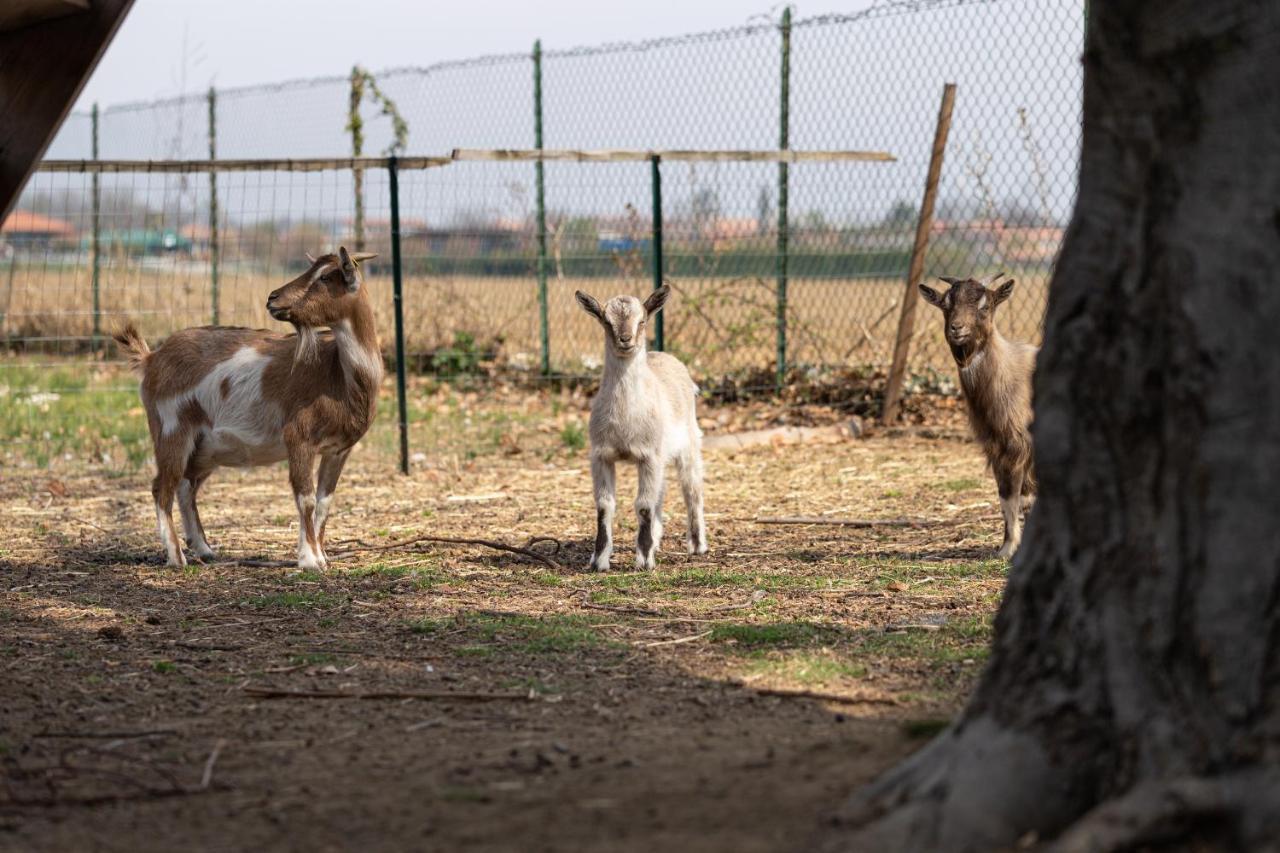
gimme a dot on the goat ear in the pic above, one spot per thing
(657, 299)
(589, 304)
(1003, 292)
(930, 295)
(349, 274)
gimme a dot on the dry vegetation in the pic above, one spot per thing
(719, 325)
(621, 711)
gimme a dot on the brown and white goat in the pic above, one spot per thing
(224, 396)
(645, 412)
(995, 376)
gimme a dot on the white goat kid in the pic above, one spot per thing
(646, 413)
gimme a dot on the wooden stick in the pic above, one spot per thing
(207, 777)
(314, 164)
(907, 319)
(449, 540)
(850, 522)
(108, 735)
(274, 693)
(676, 641)
(825, 697)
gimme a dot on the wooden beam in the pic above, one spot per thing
(630, 156)
(907, 319)
(43, 67)
(314, 164)
(15, 14)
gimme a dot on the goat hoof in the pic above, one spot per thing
(700, 548)
(204, 555)
(643, 563)
(598, 565)
(1007, 551)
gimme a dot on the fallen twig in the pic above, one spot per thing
(207, 777)
(676, 641)
(756, 597)
(825, 697)
(450, 540)
(109, 735)
(274, 693)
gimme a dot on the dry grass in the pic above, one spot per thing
(650, 723)
(719, 325)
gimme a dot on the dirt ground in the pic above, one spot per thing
(456, 697)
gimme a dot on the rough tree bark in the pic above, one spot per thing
(1133, 692)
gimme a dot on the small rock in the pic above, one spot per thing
(111, 632)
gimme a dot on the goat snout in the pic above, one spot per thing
(274, 309)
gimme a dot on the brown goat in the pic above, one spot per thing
(995, 376)
(222, 396)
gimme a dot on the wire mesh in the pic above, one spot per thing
(866, 81)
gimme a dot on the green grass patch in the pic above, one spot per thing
(964, 638)
(307, 600)
(163, 666)
(87, 412)
(312, 659)
(807, 668)
(493, 632)
(422, 577)
(573, 436)
(961, 484)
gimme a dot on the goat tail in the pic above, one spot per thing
(135, 348)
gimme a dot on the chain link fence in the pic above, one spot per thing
(83, 252)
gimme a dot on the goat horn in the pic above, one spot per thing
(951, 281)
(309, 257)
(989, 282)
(363, 256)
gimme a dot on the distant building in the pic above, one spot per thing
(27, 229)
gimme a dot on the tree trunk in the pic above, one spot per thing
(1133, 689)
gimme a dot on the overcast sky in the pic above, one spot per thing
(170, 47)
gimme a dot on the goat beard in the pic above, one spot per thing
(307, 345)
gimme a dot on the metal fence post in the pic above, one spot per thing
(213, 206)
(784, 142)
(907, 319)
(655, 172)
(96, 239)
(541, 204)
(397, 285)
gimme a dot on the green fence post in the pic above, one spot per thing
(784, 143)
(213, 206)
(96, 239)
(655, 171)
(397, 299)
(541, 209)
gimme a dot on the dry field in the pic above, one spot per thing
(456, 697)
(718, 325)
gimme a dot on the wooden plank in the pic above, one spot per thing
(629, 156)
(43, 67)
(907, 319)
(263, 165)
(23, 13)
